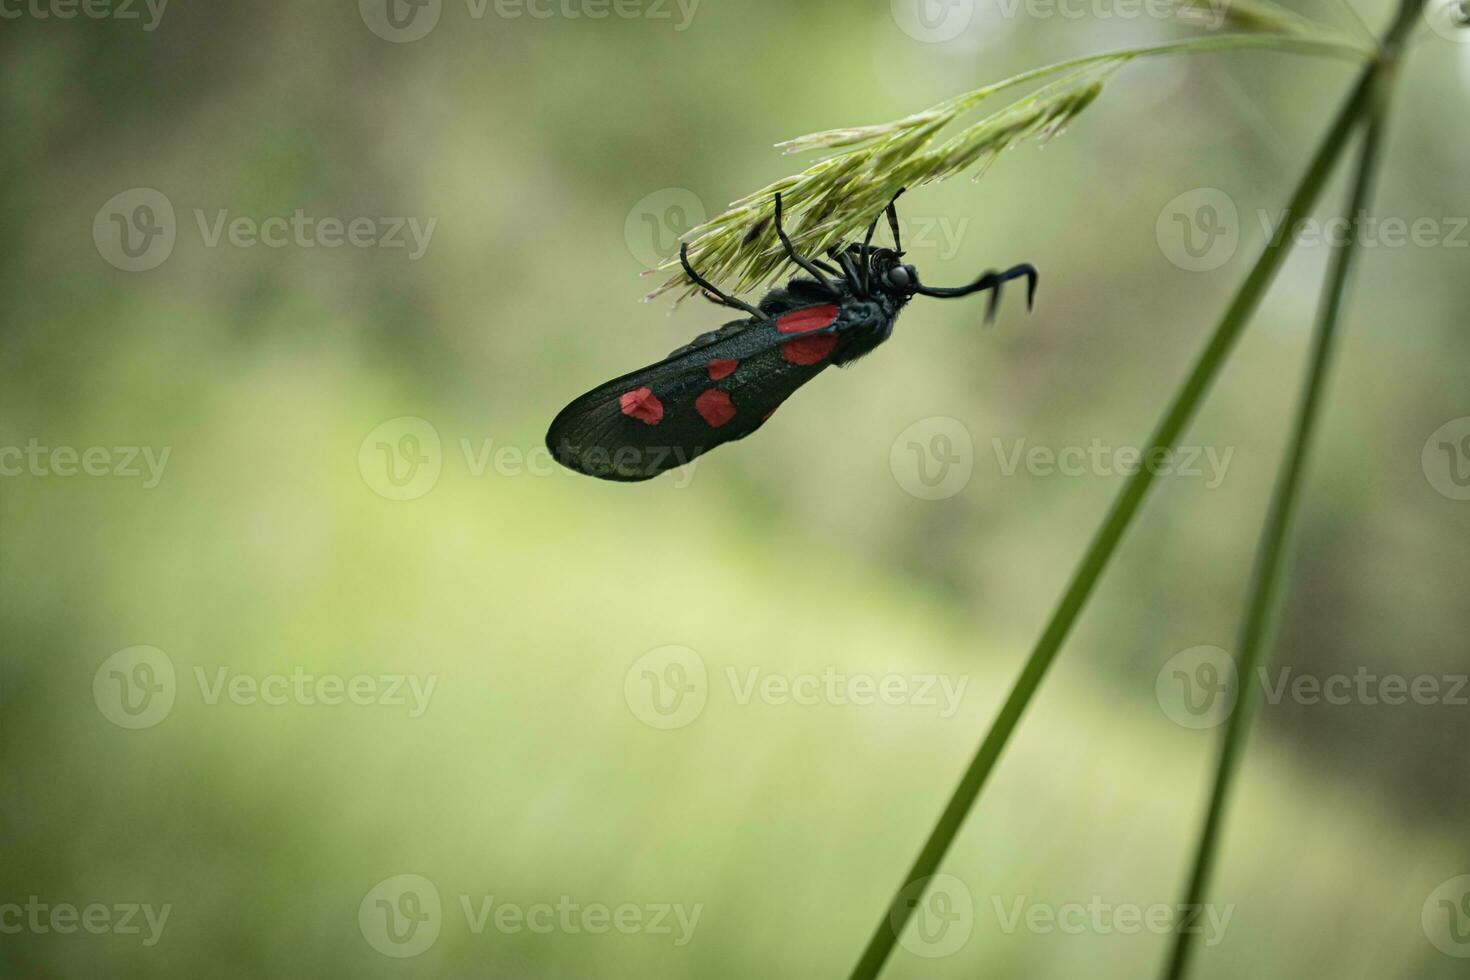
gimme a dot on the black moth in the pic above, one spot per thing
(724, 384)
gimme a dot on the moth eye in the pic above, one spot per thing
(898, 277)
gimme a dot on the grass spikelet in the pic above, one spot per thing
(833, 200)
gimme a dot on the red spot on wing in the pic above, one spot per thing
(811, 318)
(643, 405)
(722, 368)
(715, 407)
(808, 350)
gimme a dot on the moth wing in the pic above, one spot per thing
(701, 396)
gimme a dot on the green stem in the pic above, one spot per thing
(1264, 597)
(1325, 45)
(1119, 517)
(1266, 577)
(1291, 44)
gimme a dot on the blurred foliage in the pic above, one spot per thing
(264, 549)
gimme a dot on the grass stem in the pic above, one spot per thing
(1163, 440)
(1264, 599)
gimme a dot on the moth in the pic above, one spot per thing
(725, 384)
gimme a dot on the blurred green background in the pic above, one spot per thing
(557, 751)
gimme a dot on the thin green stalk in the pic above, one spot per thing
(1265, 588)
(1119, 517)
(1325, 46)
(1356, 17)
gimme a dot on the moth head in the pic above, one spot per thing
(901, 278)
(892, 275)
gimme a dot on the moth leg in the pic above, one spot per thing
(807, 264)
(757, 229)
(710, 292)
(867, 253)
(892, 213)
(849, 270)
